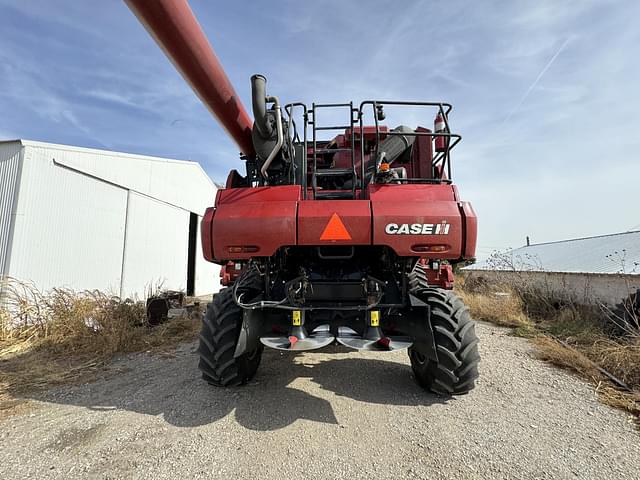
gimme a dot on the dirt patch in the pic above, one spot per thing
(76, 438)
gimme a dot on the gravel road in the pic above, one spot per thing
(337, 414)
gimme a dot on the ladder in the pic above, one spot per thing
(348, 174)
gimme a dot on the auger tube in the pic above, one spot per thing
(174, 27)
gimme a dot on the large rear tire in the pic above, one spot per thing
(218, 339)
(456, 370)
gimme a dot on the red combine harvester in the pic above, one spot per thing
(350, 239)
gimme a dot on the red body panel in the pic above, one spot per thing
(205, 234)
(421, 157)
(419, 193)
(471, 231)
(314, 216)
(285, 193)
(415, 220)
(398, 205)
(256, 220)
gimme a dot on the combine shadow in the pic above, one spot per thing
(173, 388)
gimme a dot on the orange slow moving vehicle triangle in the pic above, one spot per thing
(335, 230)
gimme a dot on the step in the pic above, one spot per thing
(337, 127)
(334, 195)
(320, 151)
(334, 172)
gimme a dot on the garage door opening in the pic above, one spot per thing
(191, 257)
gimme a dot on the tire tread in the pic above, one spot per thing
(456, 370)
(218, 338)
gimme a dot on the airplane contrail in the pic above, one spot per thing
(535, 82)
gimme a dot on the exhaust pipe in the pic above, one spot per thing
(280, 137)
(259, 102)
(266, 140)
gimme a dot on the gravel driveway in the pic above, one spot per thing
(337, 414)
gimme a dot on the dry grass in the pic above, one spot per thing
(620, 358)
(62, 335)
(498, 304)
(593, 339)
(584, 360)
(552, 351)
(502, 308)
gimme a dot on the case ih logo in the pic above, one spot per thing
(417, 228)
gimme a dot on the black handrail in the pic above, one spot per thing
(444, 109)
(444, 157)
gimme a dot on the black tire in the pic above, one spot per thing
(418, 279)
(456, 370)
(218, 338)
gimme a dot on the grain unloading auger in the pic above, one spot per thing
(349, 239)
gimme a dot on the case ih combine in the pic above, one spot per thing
(349, 239)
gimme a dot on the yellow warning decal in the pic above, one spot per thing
(375, 318)
(296, 318)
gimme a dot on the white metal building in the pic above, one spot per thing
(94, 219)
(605, 268)
(617, 253)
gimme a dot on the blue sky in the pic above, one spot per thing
(545, 93)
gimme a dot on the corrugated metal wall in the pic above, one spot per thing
(156, 247)
(10, 163)
(69, 228)
(77, 229)
(159, 178)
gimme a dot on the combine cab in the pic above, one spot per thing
(340, 232)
